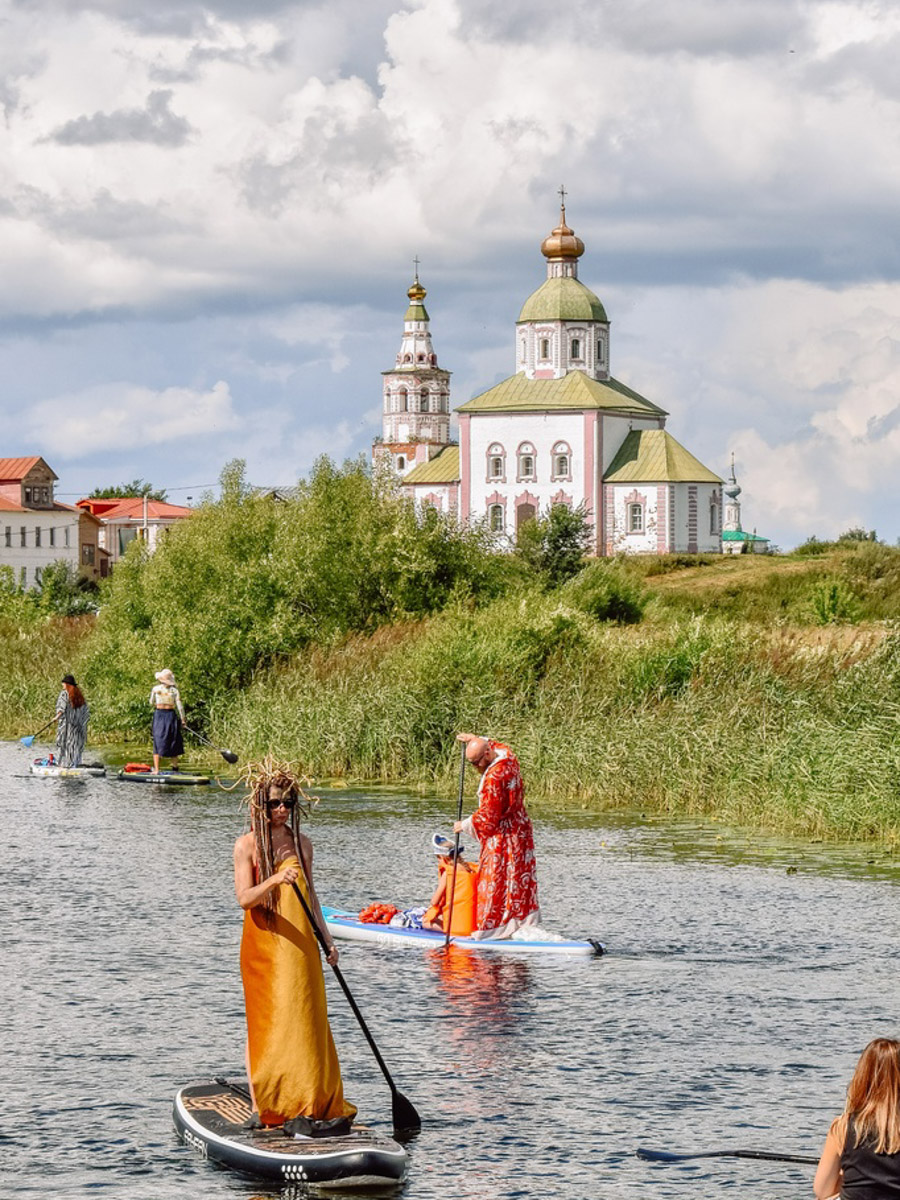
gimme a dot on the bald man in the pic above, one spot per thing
(507, 878)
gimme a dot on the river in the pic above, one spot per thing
(743, 977)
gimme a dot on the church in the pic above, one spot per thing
(561, 430)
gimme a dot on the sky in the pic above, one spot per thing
(209, 215)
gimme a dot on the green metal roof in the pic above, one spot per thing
(562, 299)
(416, 312)
(573, 391)
(443, 468)
(738, 535)
(653, 456)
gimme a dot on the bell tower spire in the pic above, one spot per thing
(416, 393)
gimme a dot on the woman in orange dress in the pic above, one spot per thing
(292, 1064)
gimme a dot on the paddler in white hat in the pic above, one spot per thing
(168, 720)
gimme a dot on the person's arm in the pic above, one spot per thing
(485, 821)
(306, 854)
(178, 704)
(828, 1173)
(248, 893)
(153, 697)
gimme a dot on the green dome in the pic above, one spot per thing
(562, 299)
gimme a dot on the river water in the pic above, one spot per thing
(742, 980)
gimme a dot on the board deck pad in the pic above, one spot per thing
(209, 1117)
(181, 778)
(53, 770)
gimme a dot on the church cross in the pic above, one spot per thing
(562, 195)
(416, 261)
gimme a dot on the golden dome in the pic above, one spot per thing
(416, 292)
(562, 242)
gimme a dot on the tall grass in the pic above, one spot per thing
(34, 656)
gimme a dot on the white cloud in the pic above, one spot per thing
(124, 416)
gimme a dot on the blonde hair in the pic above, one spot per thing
(260, 777)
(873, 1099)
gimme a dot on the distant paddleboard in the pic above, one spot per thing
(347, 925)
(43, 766)
(180, 778)
(209, 1118)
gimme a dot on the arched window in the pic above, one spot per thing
(599, 351)
(561, 461)
(545, 348)
(423, 402)
(420, 358)
(403, 400)
(495, 518)
(401, 463)
(522, 350)
(407, 358)
(525, 460)
(635, 518)
(576, 347)
(713, 515)
(496, 463)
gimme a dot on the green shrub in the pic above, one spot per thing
(832, 602)
(606, 592)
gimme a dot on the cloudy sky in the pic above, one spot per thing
(208, 216)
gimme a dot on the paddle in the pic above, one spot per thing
(228, 755)
(666, 1156)
(404, 1116)
(462, 782)
(29, 737)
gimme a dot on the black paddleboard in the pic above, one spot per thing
(173, 777)
(209, 1118)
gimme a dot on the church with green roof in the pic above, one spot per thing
(561, 430)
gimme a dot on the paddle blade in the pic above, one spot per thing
(404, 1116)
(229, 756)
(28, 740)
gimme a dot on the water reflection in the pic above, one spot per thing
(489, 985)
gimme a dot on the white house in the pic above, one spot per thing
(562, 430)
(123, 520)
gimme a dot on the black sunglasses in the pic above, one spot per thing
(273, 804)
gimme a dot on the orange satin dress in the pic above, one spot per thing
(293, 1062)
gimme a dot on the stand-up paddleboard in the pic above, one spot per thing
(44, 767)
(209, 1117)
(172, 777)
(347, 925)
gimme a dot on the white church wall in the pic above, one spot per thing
(521, 435)
(635, 518)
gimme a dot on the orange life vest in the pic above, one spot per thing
(465, 895)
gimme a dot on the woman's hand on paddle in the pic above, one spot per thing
(288, 875)
(332, 956)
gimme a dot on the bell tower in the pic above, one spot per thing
(415, 419)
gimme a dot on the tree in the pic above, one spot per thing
(555, 545)
(63, 591)
(858, 535)
(128, 491)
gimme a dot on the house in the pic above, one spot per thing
(561, 430)
(122, 521)
(36, 530)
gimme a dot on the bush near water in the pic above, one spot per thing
(342, 629)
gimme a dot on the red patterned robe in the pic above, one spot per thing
(507, 877)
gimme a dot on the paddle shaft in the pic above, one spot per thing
(228, 755)
(32, 736)
(459, 804)
(405, 1116)
(769, 1156)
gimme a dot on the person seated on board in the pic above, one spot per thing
(72, 716)
(465, 883)
(292, 1064)
(861, 1157)
(168, 741)
(507, 873)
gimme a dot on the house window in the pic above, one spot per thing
(37, 535)
(28, 495)
(45, 495)
(496, 462)
(66, 539)
(52, 536)
(635, 518)
(37, 574)
(401, 463)
(423, 402)
(87, 554)
(561, 459)
(526, 460)
(495, 518)
(9, 536)
(576, 347)
(545, 347)
(22, 539)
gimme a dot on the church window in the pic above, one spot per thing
(526, 460)
(635, 518)
(407, 358)
(545, 347)
(420, 358)
(522, 351)
(713, 515)
(496, 462)
(600, 352)
(423, 402)
(576, 347)
(495, 518)
(403, 400)
(561, 459)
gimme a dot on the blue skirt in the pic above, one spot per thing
(167, 739)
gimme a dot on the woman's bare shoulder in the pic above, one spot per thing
(245, 844)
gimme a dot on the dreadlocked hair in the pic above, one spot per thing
(259, 777)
